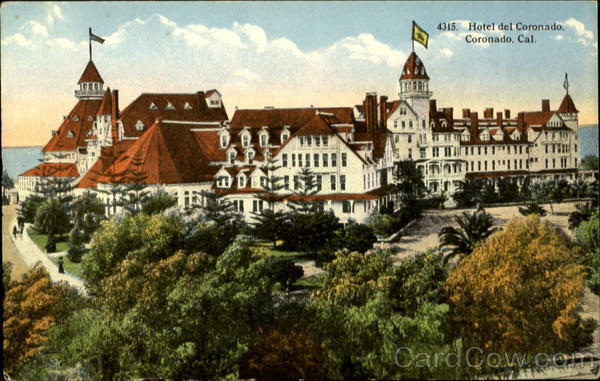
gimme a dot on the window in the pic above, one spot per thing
(410, 124)
(286, 182)
(70, 134)
(325, 141)
(284, 160)
(245, 140)
(301, 141)
(231, 157)
(263, 181)
(317, 141)
(342, 182)
(242, 181)
(485, 150)
(153, 106)
(325, 163)
(250, 157)
(332, 182)
(344, 159)
(308, 141)
(223, 141)
(316, 160)
(395, 123)
(296, 182)
(334, 160)
(410, 153)
(403, 124)
(214, 103)
(284, 137)
(263, 140)
(257, 206)
(346, 207)
(319, 183)
(187, 106)
(299, 160)
(308, 160)
(422, 153)
(293, 160)
(169, 106)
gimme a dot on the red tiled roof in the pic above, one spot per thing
(106, 105)
(53, 170)
(414, 68)
(78, 123)
(90, 74)
(278, 117)
(140, 110)
(567, 105)
(317, 125)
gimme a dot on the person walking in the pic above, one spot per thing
(61, 268)
(15, 231)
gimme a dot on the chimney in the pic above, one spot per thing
(370, 105)
(521, 121)
(499, 119)
(545, 105)
(449, 112)
(115, 105)
(201, 101)
(474, 123)
(506, 114)
(432, 107)
(488, 113)
(382, 112)
(466, 113)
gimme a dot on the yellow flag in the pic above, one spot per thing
(420, 35)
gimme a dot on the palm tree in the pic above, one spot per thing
(469, 192)
(52, 218)
(158, 203)
(583, 213)
(533, 208)
(579, 187)
(473, 229)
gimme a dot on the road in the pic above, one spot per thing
(9, 252)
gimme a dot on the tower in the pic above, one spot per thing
(414, 86)
(90, 84)
(568, 113)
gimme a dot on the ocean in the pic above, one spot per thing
(17, 160)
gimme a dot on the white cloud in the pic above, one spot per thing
(34, 27)
(366, 47)
(17, 39)
(558, 37)
(447, 52)
(246, 74)
(579, 28)
(61, 42)
(53, 12)
(255, 35)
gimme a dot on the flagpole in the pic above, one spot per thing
(412, 36)
(90, 42)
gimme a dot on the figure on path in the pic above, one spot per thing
(61, 269)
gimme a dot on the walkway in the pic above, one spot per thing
(31, 254)
(9, 251)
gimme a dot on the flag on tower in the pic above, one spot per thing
(93, 37)
(419, 35)
(566, 83)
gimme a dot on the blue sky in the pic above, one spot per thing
(287, 54)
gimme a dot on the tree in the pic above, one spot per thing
(7, 182)
(589, 162)
(469, 192)
(304, 188)
(307, 232)
(6, 273)
(473, 229)
(286, 350)
(354, 237)
(582, 212)
(532, 208)
(489, 195)
(134, 186)
(158, 202)
(271, 225)
(558, 191)
(410, 187)
(76, 243)
(31, 306)
(28, 208)
(52, 218)
(579, 187)
(88, 211)
(360, 321)
(284, 271)
(520, 292)
(508, 190)
(588, 236)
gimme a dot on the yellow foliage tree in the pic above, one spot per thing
(31, 306)
(521, 291)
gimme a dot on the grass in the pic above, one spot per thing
(311, 282)
(275, 252)
(70, 267)
(40, 240)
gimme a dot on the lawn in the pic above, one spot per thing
(278, 253)
(311, 282)
(70, 267)
(40, 240)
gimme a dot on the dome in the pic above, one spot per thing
(414, 68)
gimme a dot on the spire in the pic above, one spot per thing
(414, 68)
(567, 106)
(90, 74)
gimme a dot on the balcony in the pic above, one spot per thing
(89, 93)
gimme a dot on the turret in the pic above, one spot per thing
(414, 85)
(90, 84)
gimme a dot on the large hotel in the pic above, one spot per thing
(186, 144)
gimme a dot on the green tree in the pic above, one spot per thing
(532, 208)
(558, 191)
(588, 236)
(7, 182)
(304, 188)
(134, 186)
(508, 190)
(307, 232)
(284, 271)
(589, 162)
(28, 208)
(410, 187)
(503, 299)
(579, 187)
(582, 212)
(354, 237)
(489, 195)
(271, 225)
(52, 218)
(473, 228)
(469, 192)
(158, 202)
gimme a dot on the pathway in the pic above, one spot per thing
(9, 251)
(31, 254)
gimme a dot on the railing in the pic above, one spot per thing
(89, 93)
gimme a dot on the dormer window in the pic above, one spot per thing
(241, 181)
(153, 106)
(223, 141)
(90, 118)
(223, 182)
(231, 157)
(245, 139)
(76, 118)
(70, 134)
(169, 106)
(187, 106)
(139, 125)
(444, 124)
(250, 157)
(285, 134)
(264, 139)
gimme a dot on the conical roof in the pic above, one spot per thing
(414, 68)
(90, 74)
(567, 105)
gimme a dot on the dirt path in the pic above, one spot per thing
(9, 252)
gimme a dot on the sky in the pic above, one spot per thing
(289, 54)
